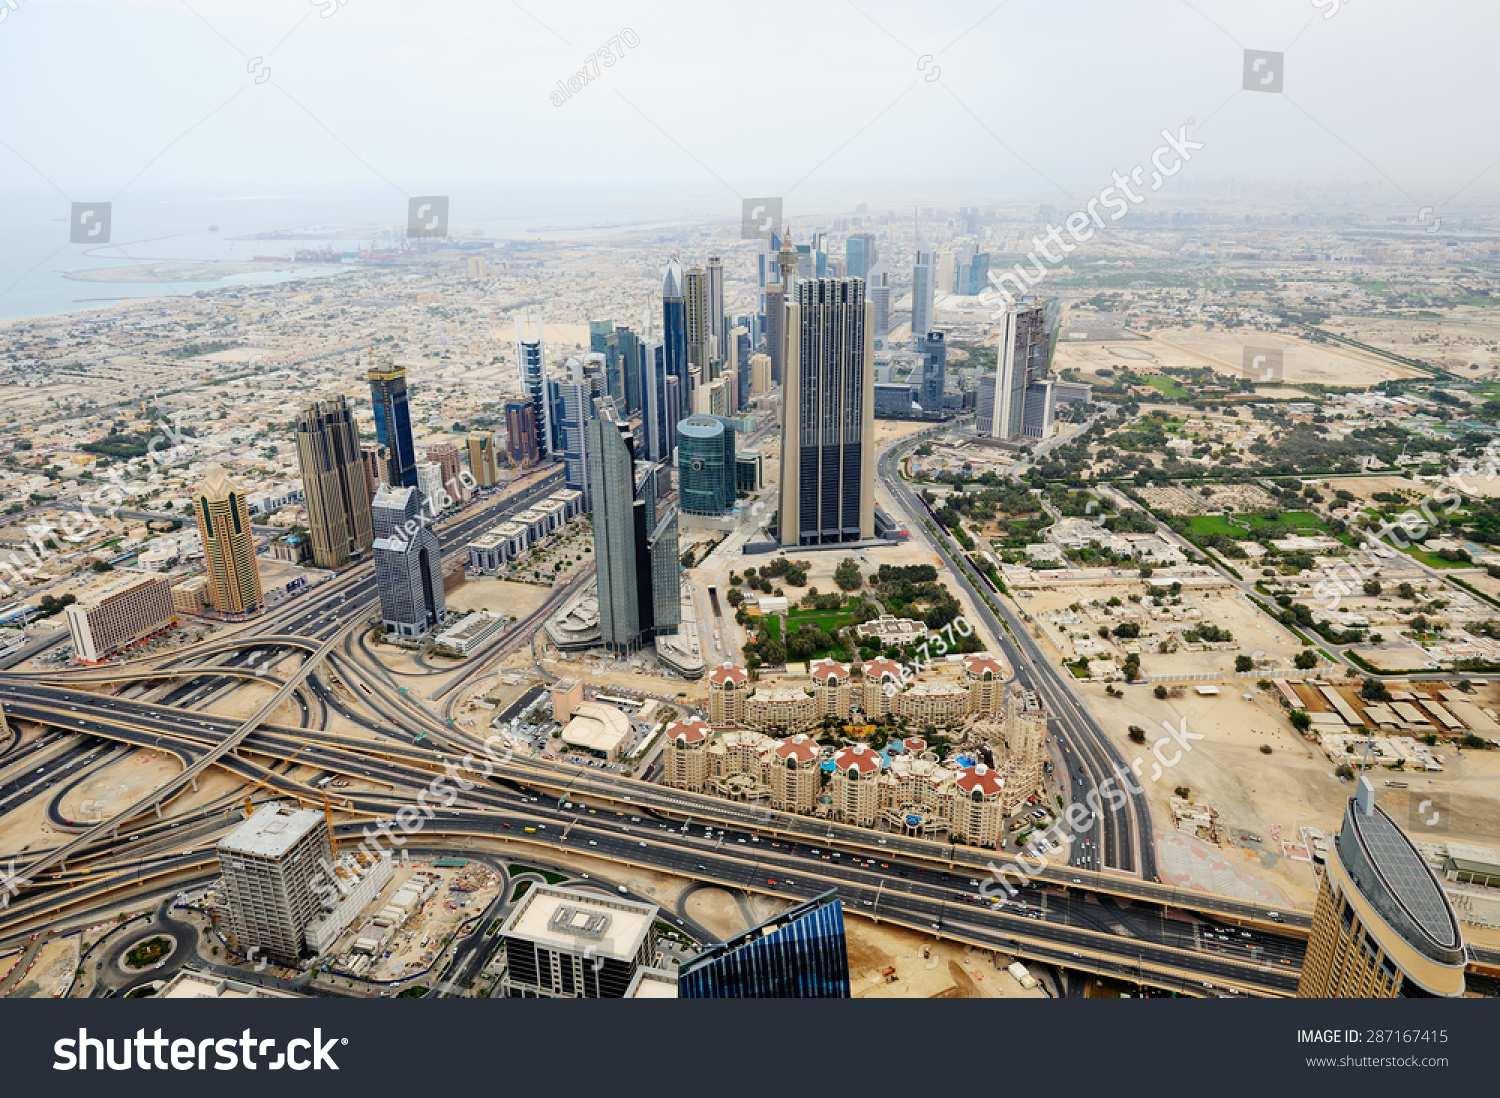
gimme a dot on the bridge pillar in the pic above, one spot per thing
(195, 784)
(158, 810)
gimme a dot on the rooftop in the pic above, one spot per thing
(576, 921)
(271, 831)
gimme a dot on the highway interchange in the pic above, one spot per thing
(1116, 921)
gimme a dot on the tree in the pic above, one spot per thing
(1300, 720)
(1372, 587)
(1160, 692)
(1265, 749)
(1244, 663)
(1407, 591)
(1306, 659)
(847, 576)
(1373, 690)
(734, 596)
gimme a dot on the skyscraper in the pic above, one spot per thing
(1382, 926)
(859, 255)
(228, 545)
(700, 340)
(622, 353)
(934, 372)
(674, 335)
(393, 422)
(335, 483)
(1018, 400)
(798, 954)
(484, 465)
(828, 425)
(658, 432)
(269, 864)
(635, 542)
(718, 327)
(922, 287)
(408, 564)
(880, 298)
(521, 433)
(573, 407)
(599, 332)
(705, 465)
(532, 356)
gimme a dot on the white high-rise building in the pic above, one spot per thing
(922, 286)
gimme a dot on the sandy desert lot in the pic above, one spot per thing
(1458, 342)
(1302, 362)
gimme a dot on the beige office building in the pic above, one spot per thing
(760, 374)
(1382, 927)
(228, 545)
(484, 461)
(118, 614)
(335, 483)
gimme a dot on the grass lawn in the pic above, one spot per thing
(1168, 385)
(1243, 526)
(770, 626)
(1432, 560)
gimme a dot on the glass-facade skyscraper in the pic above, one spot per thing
(859, 255)
(393, 422)
(674, 331)
(532, 356)
(635, 540)
(828, 416)
(705, 465)
(799, 954)
(408, 564)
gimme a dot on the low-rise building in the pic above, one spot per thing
(469, 633)
(891, 630)
(561, 943)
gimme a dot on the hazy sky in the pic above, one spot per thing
(825, 101)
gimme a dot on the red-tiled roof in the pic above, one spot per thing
(728, 672)
(982, 778)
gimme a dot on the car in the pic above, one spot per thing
(703, 867)
(592, 843)
(643, 844)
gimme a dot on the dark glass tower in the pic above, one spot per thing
(674, 332)
(393, 423)
(799, 954)
(828, 418)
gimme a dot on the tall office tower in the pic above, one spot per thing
(972, 276)
(934, 372)
(676, 401)
(921, 294)
(335, 484)
(572, 410)
(599, 333)
(706, 465)
(859, 255)
(446, 456)
(622, 353)
(484, 464)
(798, 954)
(1018, 400)
(635, 540)
(717, 322)
(532, 355)
(945, 270)
(269, 864)
(702, 354)
(374, 462)
(393, 422)
(408, 564)
(880, 298)
(786, 264)
(760, 374)
(828, 418)
(521, 433)
(228, 545)
(656, 429)
(674, 334)
(775, 329)
(1382, 927)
